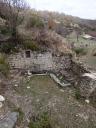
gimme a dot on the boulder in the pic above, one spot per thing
(9, 121)
(2, 98)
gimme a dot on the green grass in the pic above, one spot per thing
(89, 59)
(88, 46)
(80, 51)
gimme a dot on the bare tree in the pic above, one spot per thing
(11, 12)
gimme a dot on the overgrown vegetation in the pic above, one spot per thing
(4, 66)
(93, 98)
(10, 10)
(40, 121)
(31, 45)
(21, 115)
(80, 51)
(34, 21)
(5, 30)
(77, 95)
(8, 47)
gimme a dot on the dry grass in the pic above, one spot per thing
(65, 110)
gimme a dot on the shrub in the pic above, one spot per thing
(41, 121)
(80, 51)
(4, 66)
(8, 47)
(21, 115)
(31, 45)
(77, 95)
(5, 30)
(35, 21)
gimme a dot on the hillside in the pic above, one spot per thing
(60, 23)
(46, 78)
(68, 19)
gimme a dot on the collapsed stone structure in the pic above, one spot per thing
(87, 85)
(58, 63)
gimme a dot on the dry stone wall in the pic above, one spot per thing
(37, 61)
(86, 85)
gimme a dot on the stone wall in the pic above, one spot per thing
(38, 61)
(86, 84)
(78, 68)
(57, 63)
(85, 80)
(62, 62)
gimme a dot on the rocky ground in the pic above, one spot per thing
(37, 94)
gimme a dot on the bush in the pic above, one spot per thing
(21, 115)
(35, 21)
(41, 121)
(5, 30)
(8, 47)
(80, 51)
(4, 66)
(77, 95)
(31, 45)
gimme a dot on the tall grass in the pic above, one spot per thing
(31, 45)
(4, 66)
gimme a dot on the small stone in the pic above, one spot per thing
(2, 98)
(1, 105)
(28, 87)
(16, 85)
(37, 100)
(61, 90)
(29, 73)
(28, 120)
(87, 101)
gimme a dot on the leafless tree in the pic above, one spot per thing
(11, 10)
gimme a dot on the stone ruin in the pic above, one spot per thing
(39, 61)
(58, 63)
